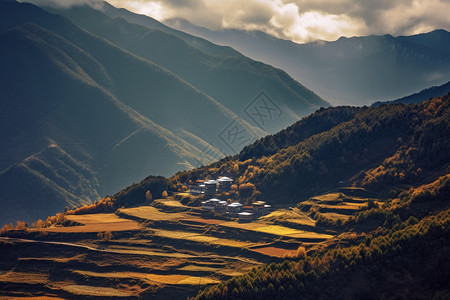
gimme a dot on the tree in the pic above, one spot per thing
(148, 196)
(38, 224)
(301, 252)
(21, 225)
(105, 236)
(6, 228)
(235, 169)
(164, 194)
(246, 189)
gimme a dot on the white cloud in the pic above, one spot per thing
(298, 20)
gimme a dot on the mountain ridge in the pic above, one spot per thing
(104, 106)
(427, 93)
(330, 70)
(212, 74)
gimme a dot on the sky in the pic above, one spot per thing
(300, 20)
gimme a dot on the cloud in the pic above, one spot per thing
(298, 20)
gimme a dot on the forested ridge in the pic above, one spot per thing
(407, 261)
(387, 149)
(394, 250)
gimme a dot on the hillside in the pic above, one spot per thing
(384, 255)
(349, 236)
(64, 106)
(125, 101)
(195, 41)
(212, 73)
(357, 204)
(407, 261)
(418, 97)
(348, 71)
(86, 101)
(383, 148)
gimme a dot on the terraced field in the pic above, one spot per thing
(163, 250)
(96, 223)
(339, 205)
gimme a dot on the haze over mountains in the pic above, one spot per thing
(87, 110)
(357, 70)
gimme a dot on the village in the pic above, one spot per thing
(216, 207)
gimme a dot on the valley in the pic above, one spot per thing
(139, 161)
(162, 249)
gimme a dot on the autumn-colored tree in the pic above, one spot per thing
(105, 236)
(103, 205)
(165, 194)
(246, 189)
(21, 225)
(301, 252)
(148, 196)
(6, 228)
(39, 224)
(235, 169)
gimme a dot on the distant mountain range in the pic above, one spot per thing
(357, 70)
(89, 108)
(428, 93)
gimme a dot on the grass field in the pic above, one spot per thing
(173, 279)
(274, 251)
(170, 203)
(279, 230)
(32, 298)
(197, 268)
(205, 221)
(20, 277)
(92, 291)
(201, 238)
(96, 223)
(176, 250)
(152, 214)
(339, 206)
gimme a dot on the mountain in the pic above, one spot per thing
(360, 210)
(114, 115)
(396, 157)
(194, 41)
(210, 72)
(428, 93)
(381, 148)
(67, 88)
(356, 70)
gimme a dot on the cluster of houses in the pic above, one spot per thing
(209, 189)
(235, 209)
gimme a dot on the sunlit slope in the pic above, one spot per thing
(233, 80)
(53, 97)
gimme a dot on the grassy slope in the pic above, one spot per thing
(70, 110)
(214, 74)
(81, 92)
